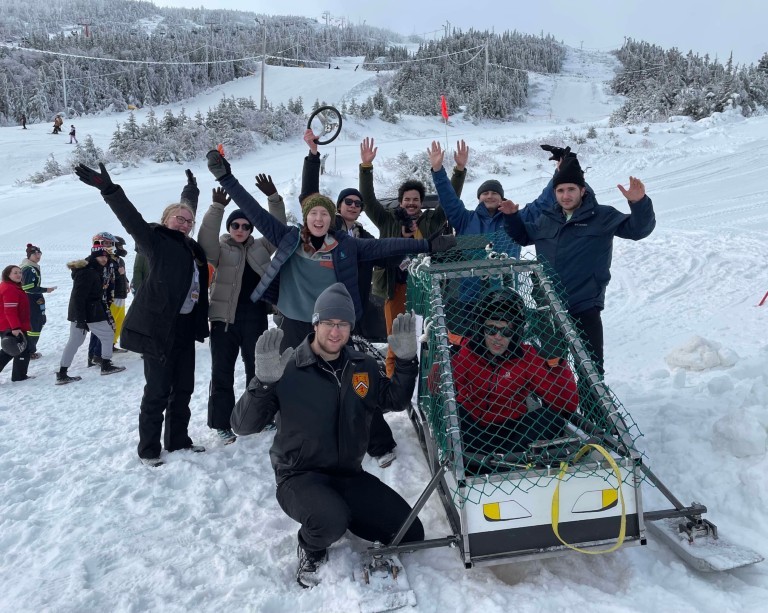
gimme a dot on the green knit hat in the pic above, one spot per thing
(314, 200)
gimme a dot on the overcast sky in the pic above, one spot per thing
(718, 29)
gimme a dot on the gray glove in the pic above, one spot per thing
(403, 341)
(444, 242)
(218, 166)
(270, 364)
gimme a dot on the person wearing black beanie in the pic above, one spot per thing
(32, 284)
(575, 238)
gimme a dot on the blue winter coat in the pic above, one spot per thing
(580, 249)
(346, 254)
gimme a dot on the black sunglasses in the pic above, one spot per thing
(506, 331)
(237, 225)
(351, 202)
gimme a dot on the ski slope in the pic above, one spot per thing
(85, 527)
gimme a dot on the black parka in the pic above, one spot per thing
(86, 302)
(149, 325)
(323, 422)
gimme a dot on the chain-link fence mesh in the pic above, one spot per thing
(508, 385)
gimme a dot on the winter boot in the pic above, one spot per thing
(386, 459)
(93, 360)
(62, 378)
(309, 563)
(227, 436)
(35, 356)
(116, 349)
(108, 368)
(152, 462)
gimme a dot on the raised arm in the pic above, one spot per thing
(454, 209)
(190, 193)
(208, 235)
(373, 208)
(272, 229)
(310, 173)
(115, 197)
(642, 218)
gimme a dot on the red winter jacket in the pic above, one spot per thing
(14, 307)
(493, 392)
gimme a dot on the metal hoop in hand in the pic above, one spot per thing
(325, 121)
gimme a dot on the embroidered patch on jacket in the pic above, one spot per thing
(361, 384)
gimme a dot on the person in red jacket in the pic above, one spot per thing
(14, 319)
(495, 375)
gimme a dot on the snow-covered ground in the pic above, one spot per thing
(85, 527)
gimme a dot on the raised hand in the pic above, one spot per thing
(462, 155)
(556, 153)
(311, 140)
(367, 151)
(508, 207)
(218, 165)
(269, 364)
(635, 192)
(436, 155)
(265, 184)
(220, 196)
(191, 180)
(89, 176)
(403, 341)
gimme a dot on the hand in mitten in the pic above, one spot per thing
(191, 180)
(89, 176)
(218, 166)
(270, 364)
(81, 325)
(403, 341)
(265, 184)
(557, 153)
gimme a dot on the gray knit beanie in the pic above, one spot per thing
(491, 185)
(334, 303)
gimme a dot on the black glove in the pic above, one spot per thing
(190, 177)
(265, 184)
(89, 176)
(558, 153)
(81, 325)
(218, 166)
(442, 243)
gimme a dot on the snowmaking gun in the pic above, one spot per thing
(579, 490)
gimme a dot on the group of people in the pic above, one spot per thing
(325, 399)
(58, 121)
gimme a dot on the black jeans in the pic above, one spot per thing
(20, 362)
(590, 325)
(227, 340)
(327, 506)
(168, 388)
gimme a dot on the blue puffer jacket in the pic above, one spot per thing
(346, 255)
(580, 249)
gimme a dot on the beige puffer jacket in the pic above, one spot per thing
(228, 258)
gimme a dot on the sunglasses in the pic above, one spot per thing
(353, 202)
(506, 331)
(236, 225)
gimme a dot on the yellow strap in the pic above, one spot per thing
(556, 501)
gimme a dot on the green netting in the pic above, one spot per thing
(508, 386)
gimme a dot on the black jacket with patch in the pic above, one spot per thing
(323, 421)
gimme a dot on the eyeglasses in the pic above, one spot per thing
(184, 220)
(328, 325)
(353, 202)
(506, 331)
(235, 225)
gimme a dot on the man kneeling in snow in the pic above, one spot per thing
(322, 399)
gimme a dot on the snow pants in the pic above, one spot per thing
(327, 506)
(590, 325)
(227, 340)
(168, 389)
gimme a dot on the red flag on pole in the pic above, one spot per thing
(444, 107)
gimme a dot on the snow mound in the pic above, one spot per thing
(698, 353)
(740, 433)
